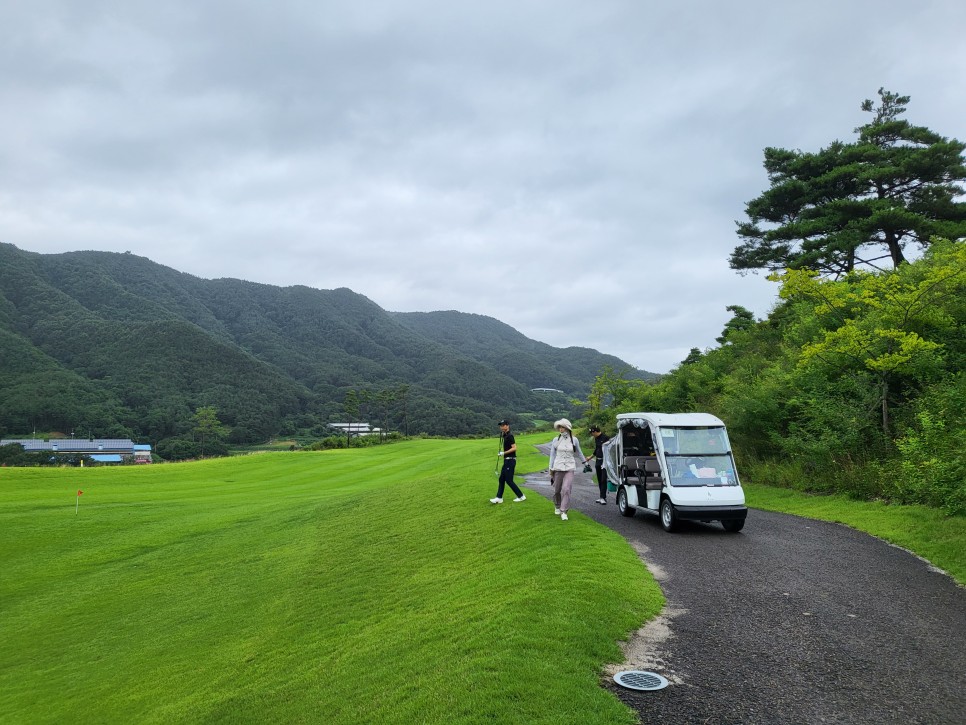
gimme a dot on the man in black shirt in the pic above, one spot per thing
(509, 455)
(599, 440)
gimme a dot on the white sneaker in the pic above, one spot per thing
(602, 501)
(496, 500)
(521, 498)
(563, 517)
(556, 512)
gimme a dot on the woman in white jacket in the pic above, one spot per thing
(564, 454)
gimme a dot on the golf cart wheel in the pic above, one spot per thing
(669, 517)
(733, 525)
(622, 505)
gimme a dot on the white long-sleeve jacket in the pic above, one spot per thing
(565, 459)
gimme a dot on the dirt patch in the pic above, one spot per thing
(649, 648)
(656, 571)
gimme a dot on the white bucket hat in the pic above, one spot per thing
(563, 423)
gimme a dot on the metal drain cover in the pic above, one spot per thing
(639, 680)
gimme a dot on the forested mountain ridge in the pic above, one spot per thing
(512, 353)
(118, 344)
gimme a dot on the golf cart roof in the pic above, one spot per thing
(682, 420)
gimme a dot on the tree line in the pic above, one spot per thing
(854, 382)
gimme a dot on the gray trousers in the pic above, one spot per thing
(563, 481)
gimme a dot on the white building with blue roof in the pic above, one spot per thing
(103, 450)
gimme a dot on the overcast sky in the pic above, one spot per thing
(572, 168)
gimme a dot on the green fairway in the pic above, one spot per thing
(924, 531)
(373, 585)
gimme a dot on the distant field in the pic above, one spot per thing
(373, 585)
(275, 445)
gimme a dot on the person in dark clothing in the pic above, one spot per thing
(599, 440)
(509, 455)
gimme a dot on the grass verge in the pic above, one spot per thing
(347, 586)
(925, 531)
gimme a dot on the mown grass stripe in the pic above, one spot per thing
(373, 585)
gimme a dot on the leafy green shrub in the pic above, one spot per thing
(178, 449)
(932, 466)
(771, 472)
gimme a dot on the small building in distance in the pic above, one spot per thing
(102, 450)
(356, 429)
(142, 453)
(545, 390)
(107, 458)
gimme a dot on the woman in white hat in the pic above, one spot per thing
(564, 454)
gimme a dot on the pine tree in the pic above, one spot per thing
(856, 204)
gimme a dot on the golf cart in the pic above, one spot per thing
(677, 465)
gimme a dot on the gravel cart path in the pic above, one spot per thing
(790, 621)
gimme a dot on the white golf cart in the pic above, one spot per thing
(677, 465)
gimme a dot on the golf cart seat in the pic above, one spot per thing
(643, 470)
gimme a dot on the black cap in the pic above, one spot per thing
(504, 422)
(595, 429)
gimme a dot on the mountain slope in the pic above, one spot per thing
(151, 344)
(533, 363)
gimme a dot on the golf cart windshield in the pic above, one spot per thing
(698, 457)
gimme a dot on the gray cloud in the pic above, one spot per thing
(574, 169)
